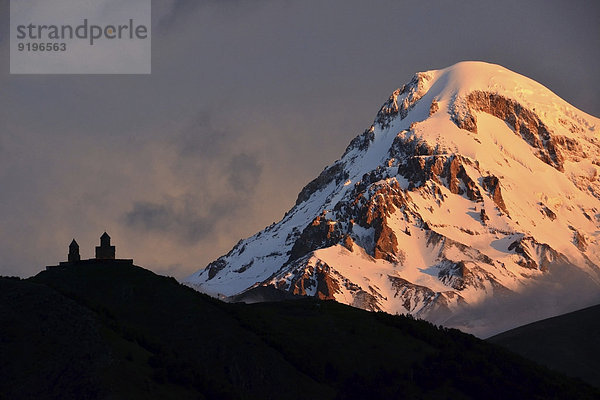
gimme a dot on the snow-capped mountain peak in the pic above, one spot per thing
(473, 183)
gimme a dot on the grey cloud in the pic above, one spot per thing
(244, 172)
(187, 221)
(202, 138)
(149, 216)
(171, 12)
(184, 223)
(4, 28)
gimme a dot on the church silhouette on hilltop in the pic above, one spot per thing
(105, 253)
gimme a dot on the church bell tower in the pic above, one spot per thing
(105, 251)
(74, 252)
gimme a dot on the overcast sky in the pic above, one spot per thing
(246, 103)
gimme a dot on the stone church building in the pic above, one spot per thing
(104, 253)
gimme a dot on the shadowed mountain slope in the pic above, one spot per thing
(568, 343)
(106, 330)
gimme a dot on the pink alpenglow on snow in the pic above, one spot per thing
(473, 200)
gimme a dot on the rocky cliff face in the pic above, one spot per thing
(472, 183)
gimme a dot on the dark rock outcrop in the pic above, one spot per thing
(320, 233)
(492, 185)
(548, 213)
(530, 250)
(412, 295)
(307, 277)
(330, 174)
(402, 100)
(580, 241)
(361, 142)
(216, 266)
(523, 121)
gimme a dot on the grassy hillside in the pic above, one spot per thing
(108, 331)
(568, 343)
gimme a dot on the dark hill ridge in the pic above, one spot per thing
(106, 330)
(193, 342)
(569, 343)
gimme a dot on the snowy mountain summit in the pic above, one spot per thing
(473, 183)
